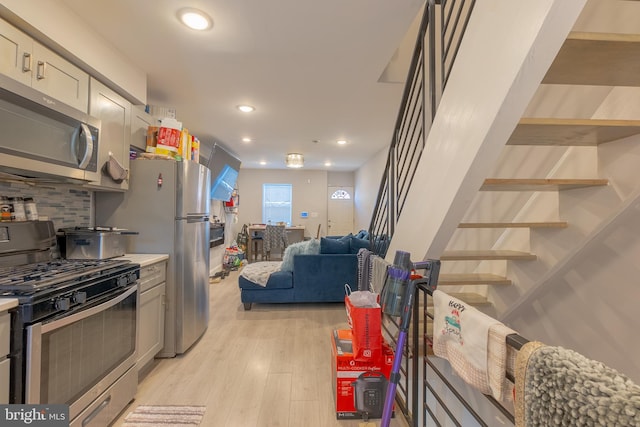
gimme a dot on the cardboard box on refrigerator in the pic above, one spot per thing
(169, 135)
(357, 383)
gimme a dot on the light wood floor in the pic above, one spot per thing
(267, 367)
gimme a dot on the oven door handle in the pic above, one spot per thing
(48, 327)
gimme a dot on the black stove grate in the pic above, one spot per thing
(30, 278)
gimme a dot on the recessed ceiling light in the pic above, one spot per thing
(327, 164)
(246, 108)
(341, 141)
(263, 162)
(195, 19)
(245, 139)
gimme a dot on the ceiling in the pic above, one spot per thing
(316, 71)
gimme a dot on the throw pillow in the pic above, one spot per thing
(307, 247)
(334, 246)
(362, 234)
(356, 244)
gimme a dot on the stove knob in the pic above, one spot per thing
(63, 304)
(79, 297)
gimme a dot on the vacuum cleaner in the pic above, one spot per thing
(397, 300)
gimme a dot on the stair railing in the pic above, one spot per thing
(439, 38)
(438, 41)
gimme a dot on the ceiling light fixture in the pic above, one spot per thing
(294, 160)
(195, 19)
(262, 162)
(327, 164)
(246, 108)
(341, 142)
(246, 139)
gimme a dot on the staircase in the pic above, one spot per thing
(586, 58)
(521, 178)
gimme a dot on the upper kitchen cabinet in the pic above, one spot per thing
(32, 64)
(15, 53)
(115, 134)
(140, 122)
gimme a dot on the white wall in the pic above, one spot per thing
(309, 195)
(367, 183)
(56, 22)
(340, 179)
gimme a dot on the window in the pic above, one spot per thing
(340, 195)
(276, 203)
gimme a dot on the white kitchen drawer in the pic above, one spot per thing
(5, 329)
(152, 275)
(4, 382)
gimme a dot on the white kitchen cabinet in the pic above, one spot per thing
(5, 329)
(115, 132)
(27, 61)
(152, 312)
(140, 122)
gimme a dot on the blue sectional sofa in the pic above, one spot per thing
(313, 278)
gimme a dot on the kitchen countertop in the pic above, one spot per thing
(146, 259)
(7, 303)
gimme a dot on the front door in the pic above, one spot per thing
(340, 211)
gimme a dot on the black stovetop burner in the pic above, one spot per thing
(33, 278)
(48, 287)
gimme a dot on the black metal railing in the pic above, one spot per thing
(439, 37)
(442, 401)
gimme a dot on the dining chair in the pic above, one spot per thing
(257, 242)
(274, 237)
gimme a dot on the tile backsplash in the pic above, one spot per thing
(65, 205)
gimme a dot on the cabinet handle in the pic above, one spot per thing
(42, 70)
(96, 411)
(26, 62)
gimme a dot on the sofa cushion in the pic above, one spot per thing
(356, 244)
(307, 247)
(335, 246)
(321, 278)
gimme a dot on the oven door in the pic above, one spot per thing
(74, 359)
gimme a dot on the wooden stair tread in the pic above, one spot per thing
(458, 279)
(543, 224)
(571, 132)
(539, 184)
(486, 255)
(601, 59)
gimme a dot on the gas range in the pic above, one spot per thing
(59, 287)
(89, 306)
(46, 286)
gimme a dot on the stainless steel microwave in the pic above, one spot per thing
(42, 137)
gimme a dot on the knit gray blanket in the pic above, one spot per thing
(559, 387)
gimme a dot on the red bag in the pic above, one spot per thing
(366, 329)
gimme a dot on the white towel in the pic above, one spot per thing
(460, 335)
(378, 273)
(501, 358)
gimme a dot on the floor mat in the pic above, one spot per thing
(165, 416)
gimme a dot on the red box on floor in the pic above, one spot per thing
(358, 387)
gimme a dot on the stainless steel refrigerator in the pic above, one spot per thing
(168, 203)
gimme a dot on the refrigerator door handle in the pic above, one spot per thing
(196, 218)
